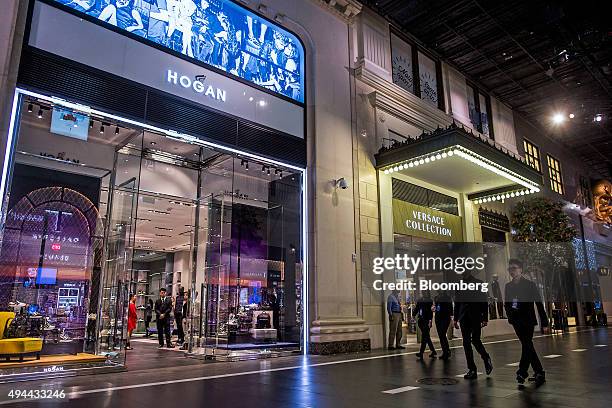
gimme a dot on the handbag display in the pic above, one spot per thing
(263, 321)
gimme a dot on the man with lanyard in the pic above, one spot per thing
(521, 294)
(394, 309)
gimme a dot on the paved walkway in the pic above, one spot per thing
(578, 367)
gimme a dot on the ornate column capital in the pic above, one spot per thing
(345, 9)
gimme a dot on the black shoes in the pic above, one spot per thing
(400, 347)
(471, 375)
(520, 378)
(488, 365)
(390, 348)
(419, 356)
(445, 356)
(433, 354)
(538, 378)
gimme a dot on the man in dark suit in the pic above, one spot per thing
(471, 313)
(521, 295)
(163, 308)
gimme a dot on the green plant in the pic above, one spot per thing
(541, 220)
(543, 235)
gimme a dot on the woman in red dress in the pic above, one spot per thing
(132, 318)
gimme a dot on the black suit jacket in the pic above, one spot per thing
(523, 295)
(471, 305)
(164, 308)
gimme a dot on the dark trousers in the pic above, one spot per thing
(471, 331)
(500, 310)
(178, 318)
(425, 336)
(442, 328)
(147, 323)
(528, 352)
(163, 328)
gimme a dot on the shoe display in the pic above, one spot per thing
(471, 375)
(488, 365)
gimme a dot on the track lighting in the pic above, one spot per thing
(101, 129)
(40, 113)
(30, 108)
(268, 171)
(263, 169)
(117, 130)
(91, 123)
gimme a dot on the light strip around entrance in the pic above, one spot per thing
(181, 137)
(468, 155)
(7, 153)
(168, 132)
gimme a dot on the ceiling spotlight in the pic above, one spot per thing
(263, 169)
(40, 114)
(558, 118)
(90, 123)
(246, 166)
(30, 108)
(153, 143)
(386, 171)
(276, 171)
(572, 116)
(101, 129)
(268, 171)
(117, 130)
(598, 117)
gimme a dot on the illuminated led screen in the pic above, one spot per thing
(219, 33)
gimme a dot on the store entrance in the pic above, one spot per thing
(220, 234)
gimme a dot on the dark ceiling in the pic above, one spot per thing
(539, 57)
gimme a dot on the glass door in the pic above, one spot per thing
(118, 253)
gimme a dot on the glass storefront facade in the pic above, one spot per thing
(100, 209)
